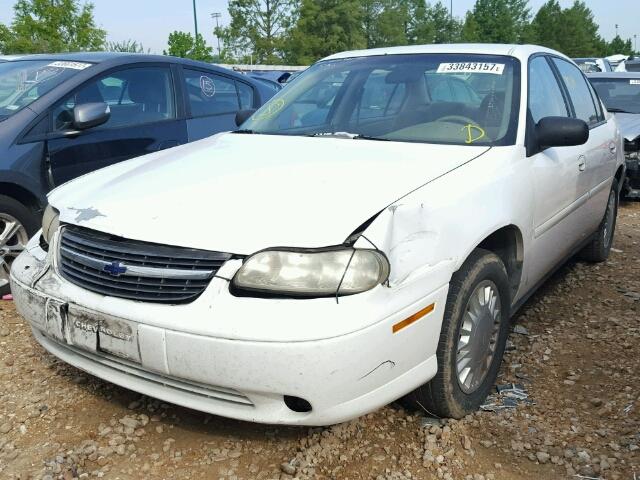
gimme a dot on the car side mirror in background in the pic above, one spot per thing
(243, 115)
(561, 132)
(88, 115)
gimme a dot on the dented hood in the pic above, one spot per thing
(629, 125)
(241, 193)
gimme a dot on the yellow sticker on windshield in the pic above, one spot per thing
(470, 128)
(270, 109)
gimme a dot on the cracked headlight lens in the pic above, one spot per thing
(50, 223)
(312, 273)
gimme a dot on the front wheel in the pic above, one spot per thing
(599, 248)
(17, 223)
(472, 339)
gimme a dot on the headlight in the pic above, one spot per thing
(312, 273)
(50, 223)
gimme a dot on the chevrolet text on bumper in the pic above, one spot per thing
(365, 236)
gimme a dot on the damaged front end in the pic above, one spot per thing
(631, 185)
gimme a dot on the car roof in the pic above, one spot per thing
(614, 75)
(521, 52)
(112, 57)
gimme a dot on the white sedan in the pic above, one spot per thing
(366, 235)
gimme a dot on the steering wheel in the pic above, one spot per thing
(462, 120)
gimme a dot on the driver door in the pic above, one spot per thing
(144, 119)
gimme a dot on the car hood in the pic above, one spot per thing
(629, 125)
(242, 193)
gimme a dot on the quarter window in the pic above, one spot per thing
(579, 92)
(135, 96)
(545, 96)
(245, 93)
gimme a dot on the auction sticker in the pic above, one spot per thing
(72, 65)
(634, 82)
(207, 86)
(471, 67)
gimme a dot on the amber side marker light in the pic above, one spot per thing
(413, 318)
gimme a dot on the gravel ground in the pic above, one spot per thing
(577, 355)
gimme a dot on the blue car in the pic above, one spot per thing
(65, 115)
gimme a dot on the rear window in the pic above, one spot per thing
(619, 94)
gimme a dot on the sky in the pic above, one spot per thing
(151, 21)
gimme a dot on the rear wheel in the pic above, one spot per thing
(472, 339)
(599, 248)
(17, 224)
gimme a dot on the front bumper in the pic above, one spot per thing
(341, 376)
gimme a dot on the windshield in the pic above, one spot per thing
(619, 93)
(24, 81)
(431, 98)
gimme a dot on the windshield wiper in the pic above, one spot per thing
(243, 130)
(617, 110)
(351, 136)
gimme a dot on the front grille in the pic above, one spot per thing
(135, 270)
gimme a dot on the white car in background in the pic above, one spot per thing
(366, 235)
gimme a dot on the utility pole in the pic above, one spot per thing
(451, 21)
(195, 19)
(616, 29)
(217, 15)
(635, 44)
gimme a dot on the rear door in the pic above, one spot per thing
(601, 149)
(212, 101)
(560, 191)
(145, 117)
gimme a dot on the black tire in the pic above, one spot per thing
(443, 396)
(26, 216)
(600, 246)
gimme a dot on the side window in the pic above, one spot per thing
(135, 96)
(545, 96)
(579, 92)
(210, 94)
(245, 94)
(379, 98)
(598, 103)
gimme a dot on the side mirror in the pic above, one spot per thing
(243, 115)
(88, 115)
(561, 132)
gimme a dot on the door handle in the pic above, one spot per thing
(582, 163)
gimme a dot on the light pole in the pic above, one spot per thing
(635, 43)
(217, 15)
(195, 19)
(451, 21)
(616, 29)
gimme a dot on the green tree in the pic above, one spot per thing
(182, 44)
(497, 21)
(572, 31)
(619, 46)
(547, 26)
(391, 25)
(5, 37)
(581, 36)
(257, 29)
(129, 46)
(325, 27)
(52, 26)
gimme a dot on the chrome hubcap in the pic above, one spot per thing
(609, 218)
(478, 336)
(13, 239)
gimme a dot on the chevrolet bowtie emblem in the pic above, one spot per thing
(115, 269)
